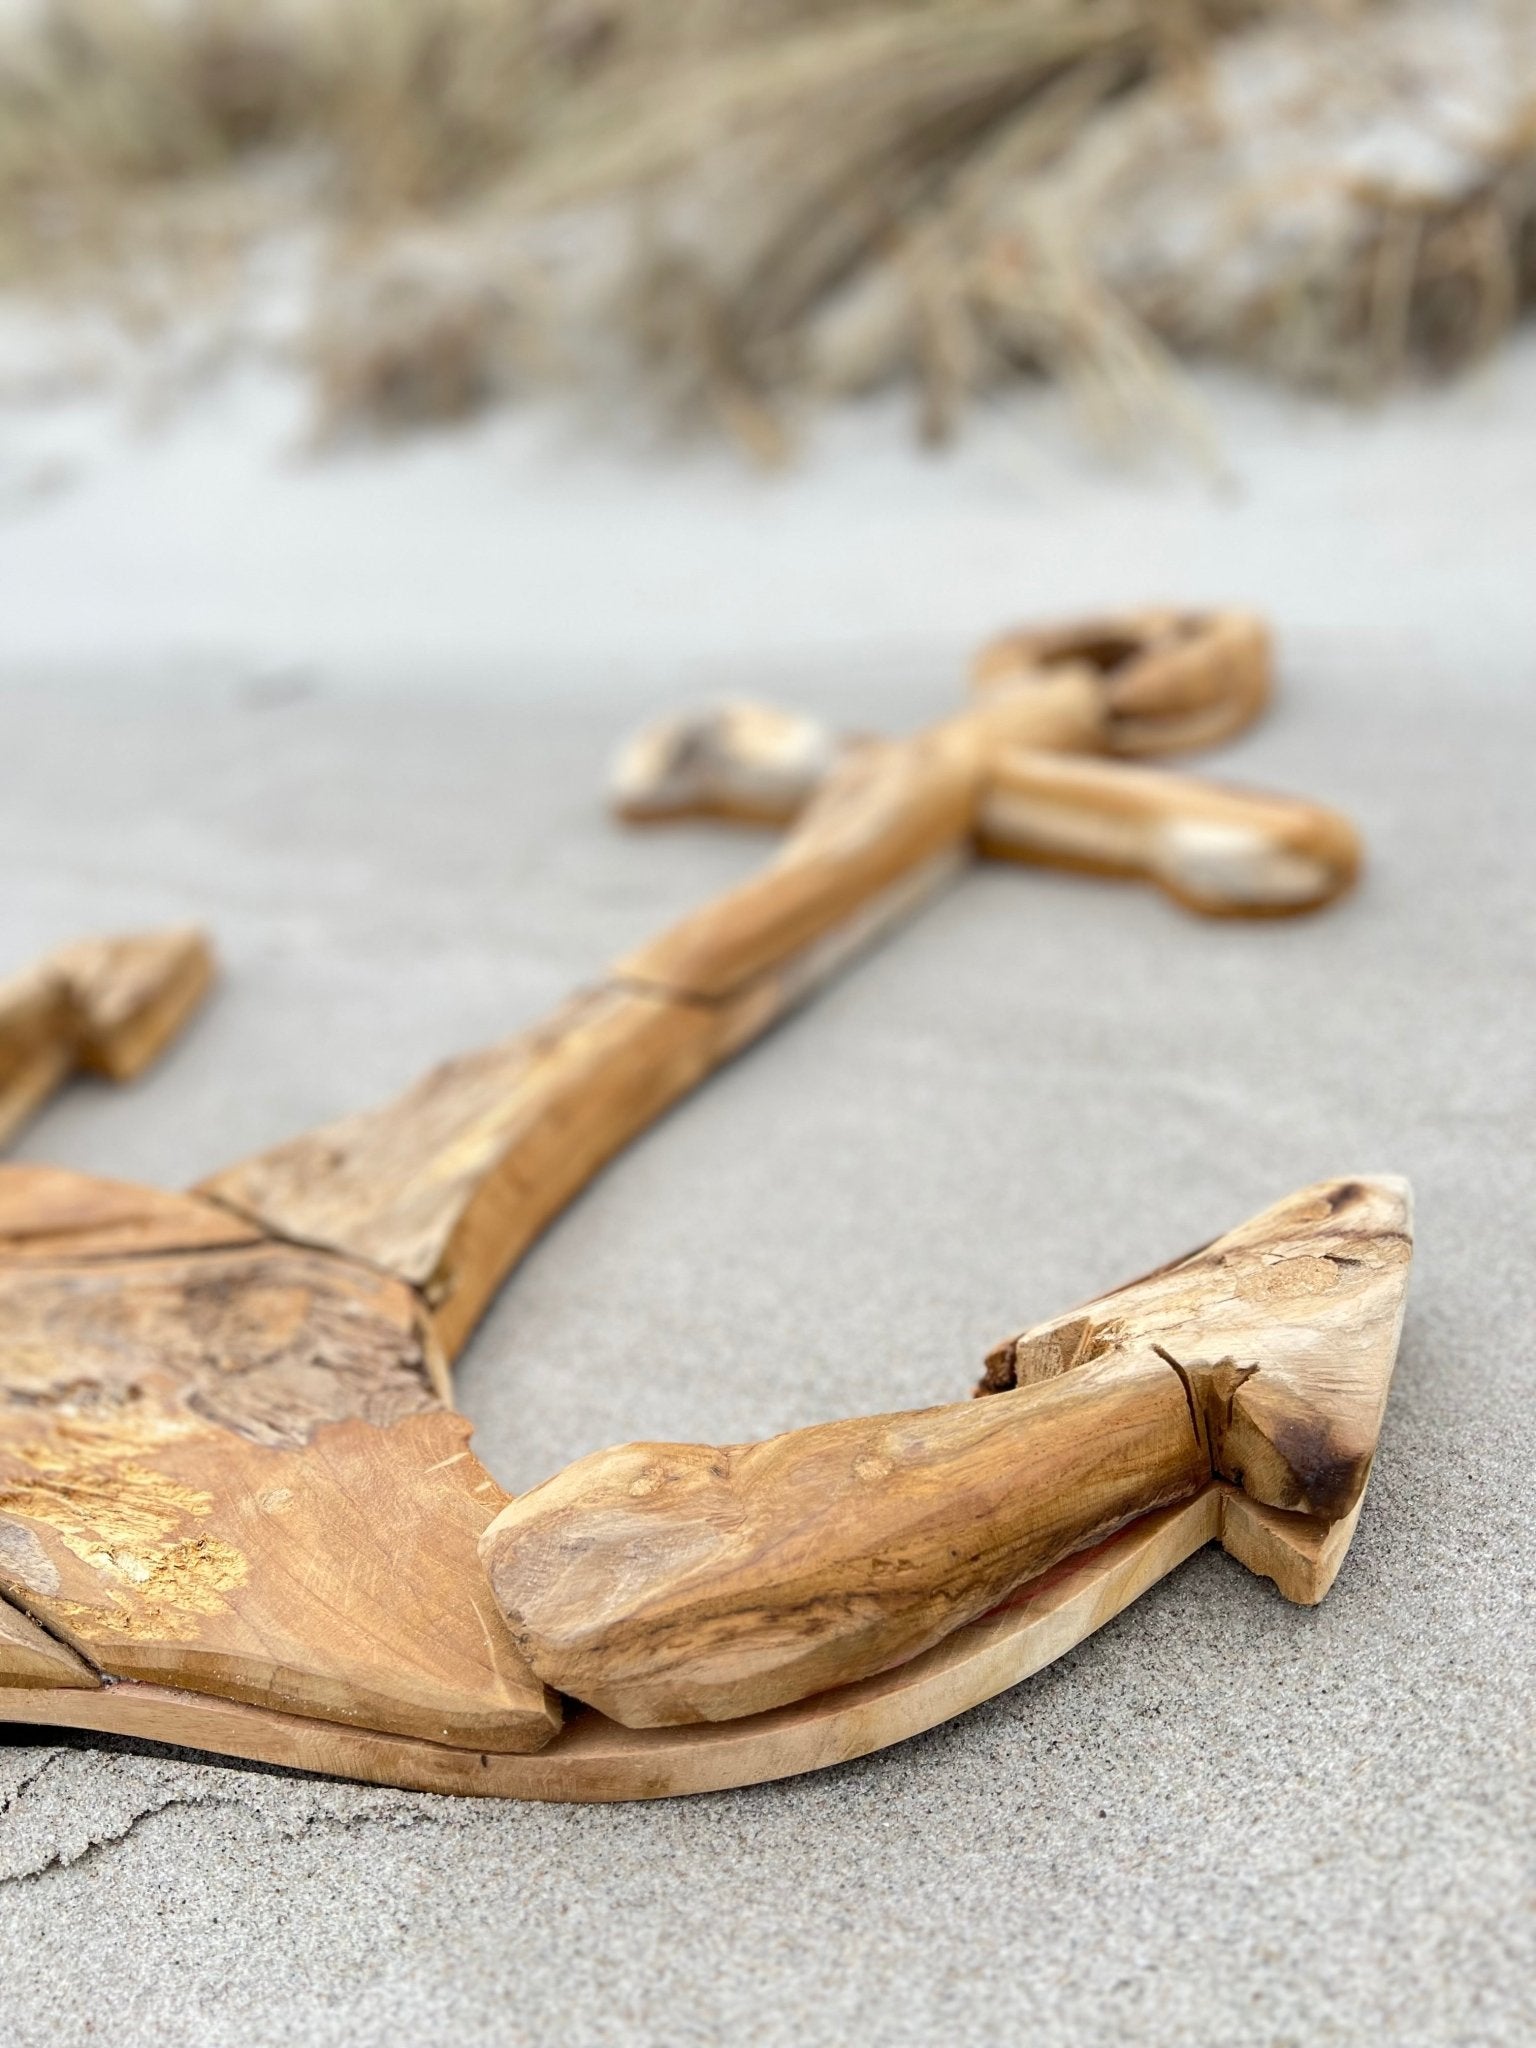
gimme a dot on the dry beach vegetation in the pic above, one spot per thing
(716, 210)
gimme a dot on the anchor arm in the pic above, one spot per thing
(673, 1583)
(1221, 851)
(109, 1006)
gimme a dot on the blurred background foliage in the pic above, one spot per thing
(723, 210)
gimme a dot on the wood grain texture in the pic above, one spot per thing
(1301, 1553)
(1222, 851)
(448, 1185)
(1171, 680)
(267, 1340)
(1305, 1303)
(594, 1759)
(234, 1509)
(668, 1583)
(29, 1656)
(335, 1580)
(49, 1215)
(225, 1465)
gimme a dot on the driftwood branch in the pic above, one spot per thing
(667, 1583)
(1222, 851)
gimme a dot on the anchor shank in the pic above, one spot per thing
(447, 1185)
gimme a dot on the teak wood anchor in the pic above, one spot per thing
(237, 1513)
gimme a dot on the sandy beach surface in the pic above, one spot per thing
(354, 717)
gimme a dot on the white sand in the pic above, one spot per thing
(354, 718)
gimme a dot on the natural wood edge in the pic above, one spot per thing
(1303, 1303)
(1171, 681)
(450, 1204)
(886, 808)
(745, 762)
(108, 1006)
(488, 1240)
(665, 1584)
(122, 1047)
(902, 816)
(1300, 1553)
(1215, 849)
(595, 1760)
(27, 1088)
(29, 1656)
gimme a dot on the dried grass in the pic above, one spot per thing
(731, 203)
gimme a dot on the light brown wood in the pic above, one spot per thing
(49, 1214)
(734, 760)
(1165, 681)
(130, 996)
(449, 1184)
(1171, 680)
(1301, 1553)
(887, 807)
(230, 1489)
(668, 1583)
(593, 1759)
(108, 1005)
(1225, 852)
(37, 1051)
(335, 1579)
(225, 1465)
(29, 1656)
(1218, 850)
(1306, 1299)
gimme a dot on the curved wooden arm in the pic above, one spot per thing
(669, 1583)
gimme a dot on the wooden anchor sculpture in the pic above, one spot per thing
(237, 1512)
